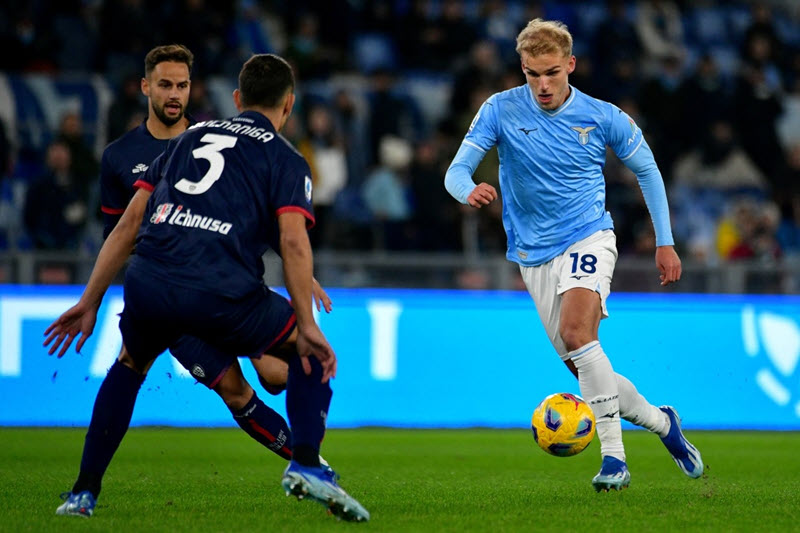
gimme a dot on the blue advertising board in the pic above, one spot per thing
(440, 359)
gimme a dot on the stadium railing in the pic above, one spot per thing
(444, 271)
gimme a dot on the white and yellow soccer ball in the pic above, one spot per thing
(563, 424)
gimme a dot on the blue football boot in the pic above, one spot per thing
(81, 504)
(613, 475)
(318, 484)
(683, 453)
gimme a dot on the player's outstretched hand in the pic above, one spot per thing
(320, 297)
(669, 264)
(312, 343)
(482, 194)
(77, 321)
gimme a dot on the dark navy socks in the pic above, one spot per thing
(113, 409)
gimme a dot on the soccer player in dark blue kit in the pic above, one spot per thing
(223, 189)
(166, 85)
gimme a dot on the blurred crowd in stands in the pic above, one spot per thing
(388, 89)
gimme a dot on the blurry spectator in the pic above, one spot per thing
(615, 38)
(704, 94)
(257, 31)
(663, 111)
(390, 113)
(788, 233)
(658, 23)
(757, 100)
(309, 56)
(127, 32)
(27, 42)
(761, 30)
(5, 151)
(201, 26)
(789, 182)
(350, 122)
(55, 209)
(324, 150)
(500, 25)
(749, 232)
(7, 206)
(704, 181)
(623, 81)
(127, 105)
(788, 124)
(644, 243)
(386, 194)
(458, 33)
(435, 216)
(484, 68)
(200, 106)
(419, 38)
(75, 31)
(84, 166)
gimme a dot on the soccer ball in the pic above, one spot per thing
(563, 424)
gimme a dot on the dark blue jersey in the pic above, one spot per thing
(125, 161)
(218, 190)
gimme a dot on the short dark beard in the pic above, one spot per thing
(167, 121)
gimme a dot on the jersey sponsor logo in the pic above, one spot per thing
(526, 131)
(187, 219)
(583, 133)
(141, 167)
(308, 187)
(161, 213)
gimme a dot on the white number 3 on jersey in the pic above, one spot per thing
(210, 152)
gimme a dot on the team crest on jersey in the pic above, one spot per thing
(161, 213)
(141, 167)
(583, 133)
(308, 189)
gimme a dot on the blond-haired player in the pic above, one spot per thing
(551, 141)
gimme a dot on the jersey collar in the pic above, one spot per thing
(259, 119)
(143, 126)
(560, 108)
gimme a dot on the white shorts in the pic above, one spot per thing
(588, 264)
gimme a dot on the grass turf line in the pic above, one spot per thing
(197, 480)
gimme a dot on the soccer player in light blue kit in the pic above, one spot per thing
(551, 140)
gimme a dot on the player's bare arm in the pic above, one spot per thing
(79, 320)
(669, 264)
(297, 271)
(320, 297)
(482, 194)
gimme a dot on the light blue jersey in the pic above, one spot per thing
(551, 169)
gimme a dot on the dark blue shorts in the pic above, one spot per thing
(158, 315)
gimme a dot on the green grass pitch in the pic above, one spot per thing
(199, 480)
